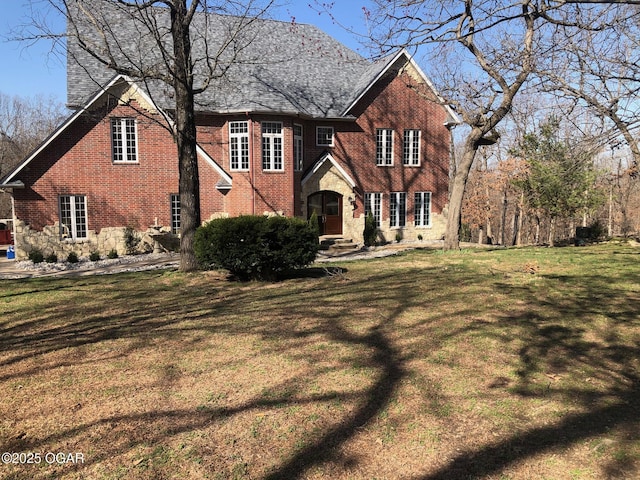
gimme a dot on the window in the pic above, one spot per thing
(384, 147)
(411, 150)
(239, 145)
(398, 209)
(272, 146)
(73, 216)
(324, 136)
(298, 157)
(373, 205)
(422, 209)
(123, 140)
(175, 213)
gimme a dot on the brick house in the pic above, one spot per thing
(312, 127)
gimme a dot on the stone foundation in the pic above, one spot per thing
(51, 241)
(386, 234)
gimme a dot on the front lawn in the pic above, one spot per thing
(504, 364)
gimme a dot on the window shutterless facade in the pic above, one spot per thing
(324, 136)
(175, 213)
(239, 146)
(272, 140)
(73, 216)
(422, 209)
(411, 148)
(373, 205)
(384, 147)
(124, 144)
(397, 209)
(298, 148)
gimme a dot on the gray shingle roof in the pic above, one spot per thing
(277, 66)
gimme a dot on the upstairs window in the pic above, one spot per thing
(239, 146)
(384, 147)
(298, 156)
(124, 140)
(73, 216)
(324, 136)
(272, 146)
(411, 150)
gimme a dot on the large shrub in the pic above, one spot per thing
(256, 247)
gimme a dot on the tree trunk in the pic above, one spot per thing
(185, 132)
(458, 187)
(552, 231)
(503, 218)
(516, 225)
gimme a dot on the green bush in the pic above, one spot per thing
(51, 258)
(113, 253)
(94, 256)
(256, 247)
(36, 256)
(370, 230)
(131, 240)
(73, 257)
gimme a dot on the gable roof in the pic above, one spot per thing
(381, 67)
(327, 157)
(9, 179)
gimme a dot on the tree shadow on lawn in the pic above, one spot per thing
(135, 317)
(554, 340)
(551, 335)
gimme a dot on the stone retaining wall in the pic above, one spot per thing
(51, 241)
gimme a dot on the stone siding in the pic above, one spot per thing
(50, 240)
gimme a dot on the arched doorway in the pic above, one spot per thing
(328, 208)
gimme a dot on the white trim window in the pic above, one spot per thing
(272, 140)
(373, 205)
(298, 145)
(73, 216)
(422, 209)
(324, 136)
(397, 209)
(411, 148)
(124, 140)
(239, 146)
(384, 147)
(175, 213)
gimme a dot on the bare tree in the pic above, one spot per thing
(486, 51)
(24, 124)
(156, 51)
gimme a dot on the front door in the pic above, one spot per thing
(328, 208)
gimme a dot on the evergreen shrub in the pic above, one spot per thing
(256, 247)
(36, 256)
(370, 230)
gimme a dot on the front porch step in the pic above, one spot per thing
(337, 245)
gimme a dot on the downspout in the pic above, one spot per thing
(13, 220)
(252, 166)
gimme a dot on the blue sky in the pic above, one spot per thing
(30, 70)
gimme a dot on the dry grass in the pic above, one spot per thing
(512, 364)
